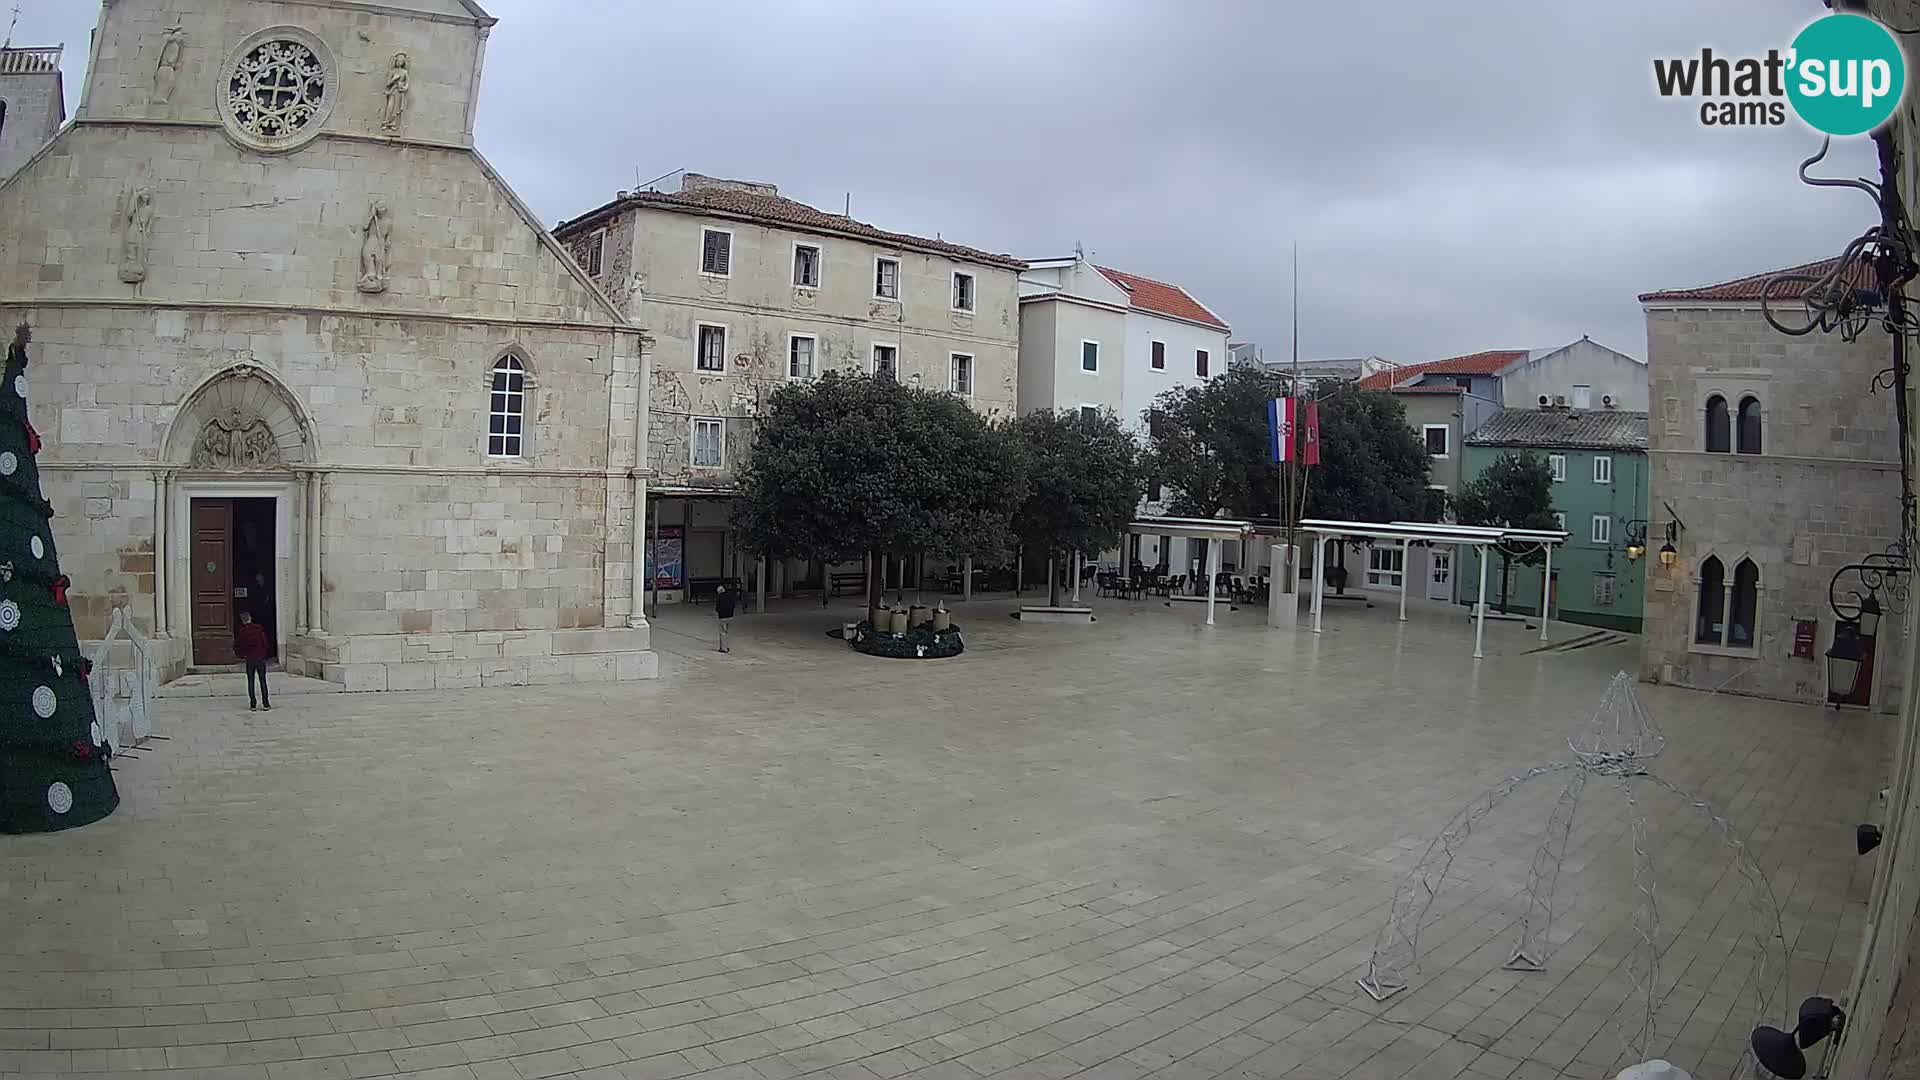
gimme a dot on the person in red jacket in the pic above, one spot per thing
(250, 642)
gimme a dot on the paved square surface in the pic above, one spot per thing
(1140, 848)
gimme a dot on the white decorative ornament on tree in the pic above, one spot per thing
(44, 702)
(98, 735)
(9, 615)
(55, 661)
(8, 463)
(59, 797)
(20, 386)
(39, 549)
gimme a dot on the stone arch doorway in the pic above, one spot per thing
(240, 500)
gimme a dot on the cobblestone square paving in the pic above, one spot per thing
(1141, 848)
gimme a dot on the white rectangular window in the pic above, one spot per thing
(961, 379)
(1583, 397)
(710, 353)
(1558, 463)
(1385, 565)
(1602, 529)
(596, 253)
(1436, 436)
(1603, 590)
(886, 362)
(962, 291)
(1200, 362)
(1159, 356)
(886, 279)
(716, 252)
(806, 266)
(1560, 521)
(1603, 470)
(1089, 356)
(800, 356)
(1089, 416)
(709, 442)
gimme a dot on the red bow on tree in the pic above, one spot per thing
(59, 589)
(82, 749)
(33, 439)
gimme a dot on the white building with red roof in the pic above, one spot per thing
(1580, 375)
(1093, 337)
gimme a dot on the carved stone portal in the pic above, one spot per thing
(236, 442)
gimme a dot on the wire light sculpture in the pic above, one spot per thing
(1617, 744)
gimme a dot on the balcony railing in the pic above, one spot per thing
(30, 61)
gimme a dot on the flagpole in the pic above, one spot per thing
(1291, 482)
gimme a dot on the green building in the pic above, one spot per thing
(1599, 461)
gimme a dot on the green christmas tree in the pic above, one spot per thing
(53, 754)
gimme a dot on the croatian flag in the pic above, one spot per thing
(1285, 416)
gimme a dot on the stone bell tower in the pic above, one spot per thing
(33, 103)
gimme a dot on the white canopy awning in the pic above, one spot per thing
(1192, 528)
(1423, 532)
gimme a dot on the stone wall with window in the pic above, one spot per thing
(738, 308)
(318, 323)
(1780, 465)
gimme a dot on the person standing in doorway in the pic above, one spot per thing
(723, 604)
(250, 642)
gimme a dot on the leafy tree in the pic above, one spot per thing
(1209, 444)
(1372, 465)
(847, 466)
(1515, 492)
(1083, 482)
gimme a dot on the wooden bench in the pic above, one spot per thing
(852, 582)
(706, 586)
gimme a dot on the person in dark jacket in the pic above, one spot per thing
(723, 605)
(250, 642)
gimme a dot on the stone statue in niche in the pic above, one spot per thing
(167, 72)
(136, 230)
(374, 248)
(399, 81)
(236, 442)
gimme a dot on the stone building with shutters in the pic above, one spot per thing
(300, 352)
(746, 290)
(1773, 465)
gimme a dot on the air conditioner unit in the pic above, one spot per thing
(1606, 401)
(1545, 401)
(1560, 400)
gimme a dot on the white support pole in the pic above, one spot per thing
(1319, 576)
(760, 588)
(1406, 566)
(1480, 609)
(966, 579)
(1213, 570)
(1077, 559)
(1546, 591)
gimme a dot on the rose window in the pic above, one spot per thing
(276, 90)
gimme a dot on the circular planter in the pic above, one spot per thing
(922, 643)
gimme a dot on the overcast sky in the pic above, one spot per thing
(1459, 176)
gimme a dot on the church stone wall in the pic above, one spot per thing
(440, 566)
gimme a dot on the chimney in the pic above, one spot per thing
(697, 182)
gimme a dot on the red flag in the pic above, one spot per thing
(1310, 455)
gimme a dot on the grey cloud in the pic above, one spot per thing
(1458, 176)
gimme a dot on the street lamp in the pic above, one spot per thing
(1667, 554)
(1869, 619)
(1844, 660)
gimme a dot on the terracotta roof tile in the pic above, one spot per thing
(781, 211)
(1162, 298)
(1490, 362)
(1563, 429)
(1748, 289)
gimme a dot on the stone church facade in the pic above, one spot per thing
(300, 352)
